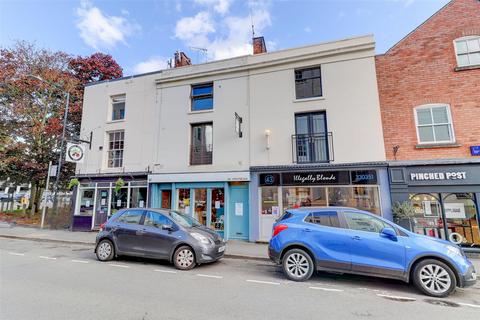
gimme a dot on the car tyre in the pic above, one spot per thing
(184, 258)
(105, 250)
(297, 265)
(434, 278)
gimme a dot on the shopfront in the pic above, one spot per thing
(365, 188)
(445, 198)
(99, 197)
(217, 200)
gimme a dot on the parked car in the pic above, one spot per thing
(160, 234)
(348, 240)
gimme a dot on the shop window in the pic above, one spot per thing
(119, 200)
(202, 97)
(363, 222)
(308, 83)
(131, 217)
(138, 197)
(428, 217)
(468, 51)
(200, 205)
(115, 148)
(218, 212)
(296, 197)
(434, 124)
(183, 200)
(270, 200)
(86, 202)
(461, 218)
(118, 108)
(327, 219)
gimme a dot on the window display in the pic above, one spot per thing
(183, 200)
(269, 200)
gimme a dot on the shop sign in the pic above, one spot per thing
(270, 179)
(454, 210)
(475, 150)
(452, 175)
(309, 178)
(75, 153)
(364, 177)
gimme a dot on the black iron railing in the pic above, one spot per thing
(312, 148)
(201, 154)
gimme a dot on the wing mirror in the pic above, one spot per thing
(167, 227)
(389, 233)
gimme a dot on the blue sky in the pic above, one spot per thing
(143, 34)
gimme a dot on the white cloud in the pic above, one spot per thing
(234, 36)
(152, 64)
(220, 6)
(103, 31)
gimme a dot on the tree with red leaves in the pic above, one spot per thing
(31, 111)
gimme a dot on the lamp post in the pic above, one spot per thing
(62, 141)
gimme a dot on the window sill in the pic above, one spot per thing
(438, 145)
(115, 121)
(309, 99)
(201, 111)
(472, 67)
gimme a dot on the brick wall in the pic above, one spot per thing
(419, 70)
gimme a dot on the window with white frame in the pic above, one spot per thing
(434, 124)
(118, 108)
(468, 51)
(115, 148)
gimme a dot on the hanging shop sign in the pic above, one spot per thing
(75, 153)
(345, 177)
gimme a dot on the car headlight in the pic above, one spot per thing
(454, 251)
(202, 238)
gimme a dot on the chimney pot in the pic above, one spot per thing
(181, 59)
(259, 45)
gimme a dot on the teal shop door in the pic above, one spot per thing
(238, 212)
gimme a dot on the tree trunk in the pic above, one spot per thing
(38, 199)
(33, 195)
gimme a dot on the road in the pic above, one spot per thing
(40, 280)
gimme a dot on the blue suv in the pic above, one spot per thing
(348, 240)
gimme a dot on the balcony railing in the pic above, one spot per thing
(201, 154)
(312, 148)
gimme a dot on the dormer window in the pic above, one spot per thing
(467, 50)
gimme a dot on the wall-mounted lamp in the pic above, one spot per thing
(267, 135)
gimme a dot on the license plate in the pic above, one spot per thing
(221, 249)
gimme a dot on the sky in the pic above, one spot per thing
(142, 35)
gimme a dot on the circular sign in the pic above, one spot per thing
(269, 179)
(455, 237)
(75, 152)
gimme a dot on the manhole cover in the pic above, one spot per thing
(442, 303)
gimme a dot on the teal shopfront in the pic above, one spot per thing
(221, 205)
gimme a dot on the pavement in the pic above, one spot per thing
(235, 248)
(59, 280)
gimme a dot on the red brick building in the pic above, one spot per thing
(429, 86)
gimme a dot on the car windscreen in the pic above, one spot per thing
(183, 219)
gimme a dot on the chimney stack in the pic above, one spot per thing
(181, 59)
(259, 45)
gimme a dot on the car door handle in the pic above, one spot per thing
(139, 232)
(307, 230)
(356, 238)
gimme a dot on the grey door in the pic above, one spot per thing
(154, 240)
(126, 230)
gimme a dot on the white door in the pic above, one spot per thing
(270, 208)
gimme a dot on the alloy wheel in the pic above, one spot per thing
(297, 265)
(104, 250)
(435, 278)
(185, 258)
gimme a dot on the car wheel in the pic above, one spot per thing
(297, 265)
(184, 258)
(105, 250)
(434, 278)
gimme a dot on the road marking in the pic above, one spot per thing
(16, 254)
(118, 265)
(48, 258)
(209, 276)
(396, 297)
(326, 289)
(165, 271)
(264, 282)
(469, 305)
(80, 261)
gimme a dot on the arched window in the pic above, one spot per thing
(467, 50)
(434, 123)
